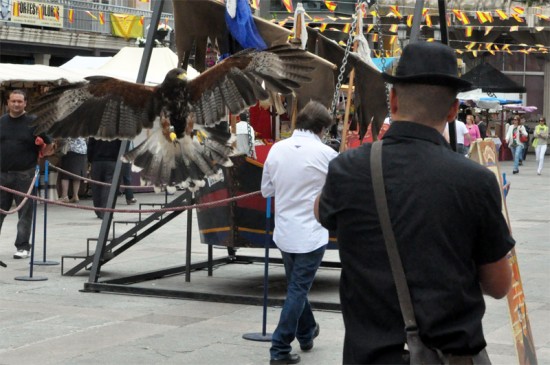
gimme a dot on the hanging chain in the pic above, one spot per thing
(344, 61)
(381, 52)
(249, 134)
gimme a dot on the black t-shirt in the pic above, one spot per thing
(18, 151)
(446, 215)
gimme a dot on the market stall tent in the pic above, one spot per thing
(14, 76)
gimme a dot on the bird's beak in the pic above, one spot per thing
(182, 76)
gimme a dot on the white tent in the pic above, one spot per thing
(125, 65)
(26, 76)
(84, 64)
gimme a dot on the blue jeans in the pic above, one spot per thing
(20, 181)
(297, 320)
(517, 152)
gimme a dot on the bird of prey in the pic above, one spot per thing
(108, 108)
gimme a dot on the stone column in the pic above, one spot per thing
(42, 59)
(546, 91)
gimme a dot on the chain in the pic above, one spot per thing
(381, 51)
(344, 61)
(249, 134)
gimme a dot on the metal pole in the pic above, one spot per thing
(111, 201)
(188, 247)
(417, 20)
(46, 190)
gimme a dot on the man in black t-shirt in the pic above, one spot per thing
(446, 214)
(18, 159)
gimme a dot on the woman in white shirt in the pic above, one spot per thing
(513, 138)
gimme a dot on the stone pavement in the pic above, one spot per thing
(53, 322)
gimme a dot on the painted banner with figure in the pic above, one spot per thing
(484, 152)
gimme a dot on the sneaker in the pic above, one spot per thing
(131, 201)
(21, 254)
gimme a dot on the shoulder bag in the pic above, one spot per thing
(419, 353)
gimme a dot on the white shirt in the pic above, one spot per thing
(461, 130)
(294, 172)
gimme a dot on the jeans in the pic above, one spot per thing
(540, 151)
(517, 152)
(297, 320)
(20, 181)
(127, 180)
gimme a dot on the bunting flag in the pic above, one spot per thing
(395, 11)
(502, 15)
(370, 27)
(428, 20)
(471, 45)
(318, 19)
(488, 47)
(126, 26)
(332, 18)
(518, 9)
(481, 17)
(457, 14)
(101, 18)
(347, 28)
(474, 53)
(91, 15)
(459, 51)
(392, 39)
(142, 20)
(323, 27)
(518, 18)
(56, 13)
(464, 18)
(488, 30)
(288, 6)
(506, 48)
(543, 17)
(410, 21)
(15, 9)
(375, 37)
(374, 13)
(393, 28)
(71, 16)
(489, 16)
(331, 5)
(468, 31)
(539, 29)
(424, 11)
(514, 28)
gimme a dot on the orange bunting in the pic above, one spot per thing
(518, 9)
(464, 18)
(318, 19)
(428, 20)
(410, 21)
(288, 6)
(331, 5)
(392, 39)
(488, 30)
(543, 17)
(502, 15)
(101, 18)
(375, 37)
(71, 16)
(489, 16)
(323, 27)
(347, 27)
(424, 11)
(142, 20)
(395, 11)
(468, 31)
(458, 14)
(393, 28)
(369, 28)
(518, 18)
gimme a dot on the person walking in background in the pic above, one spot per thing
(75, 162)
(294, 172)
(513, 138)
(18, 158)
(462, 137)
(449, 263)
(473, 131)
(526, 143)
(482, 126)
(540, 143)
(103, 156)
(127, 180)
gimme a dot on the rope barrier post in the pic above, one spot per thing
(31, 277)
(255, 336)
(188, 244)
(46, 188)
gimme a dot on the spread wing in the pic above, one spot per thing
(103, 107)
(236, 82)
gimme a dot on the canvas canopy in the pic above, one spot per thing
(27, 76)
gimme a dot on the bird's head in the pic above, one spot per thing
(175, 74)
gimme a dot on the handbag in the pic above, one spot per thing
(523, 139)
(419, 353)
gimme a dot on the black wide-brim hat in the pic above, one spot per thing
(430, 63)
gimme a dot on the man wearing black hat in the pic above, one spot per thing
(445, 212)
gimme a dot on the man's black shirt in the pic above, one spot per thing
(446, 214)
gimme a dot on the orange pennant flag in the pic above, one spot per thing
(323, 27)
(288, 6)
(428, 20)
(375, 37)
(331, 5)
(458, 14)
(101, 18)
(318, 19)
(518, 9)
(488, 30)
(489, 16)
(71, 16)
(369, 28)
(392, 39)
(395, 10)
(464, 18)
(410, 21)
(502, 15)
(142, 20)
(468, 31)
(518, 18)
(393, 28)
(481, 17)
(347, 27)
(543, 17)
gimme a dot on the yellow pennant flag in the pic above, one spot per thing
(428, 20)
(471, 45)
(543, 17)
(518, 18)
(56, 13)
(468, 31)
(332, 18)
(514, 28)
(502, 15)
(518, 9)
(430, 40)
(71, 16)
(393, 28)
(323, 27)
(331, 5)
(489, 16)
(464, 18)
(393, 39)
(375, 37)
(481, 17)
(91, 15)
(496, 47)
(459, 51)
(288, 6)
(126, 26)
(101, 18)
(318, 19)
(370, 27)
(410, 21)
(425, 11)
(488, 30)
(474, 53)
(374, 13)
(539, 29)
(458, 14)
(40, 12)
(347, 27)
(15, 8)
(395, 11)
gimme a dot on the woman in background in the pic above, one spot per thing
(74, 161)
(513, 139)
(540, 142)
